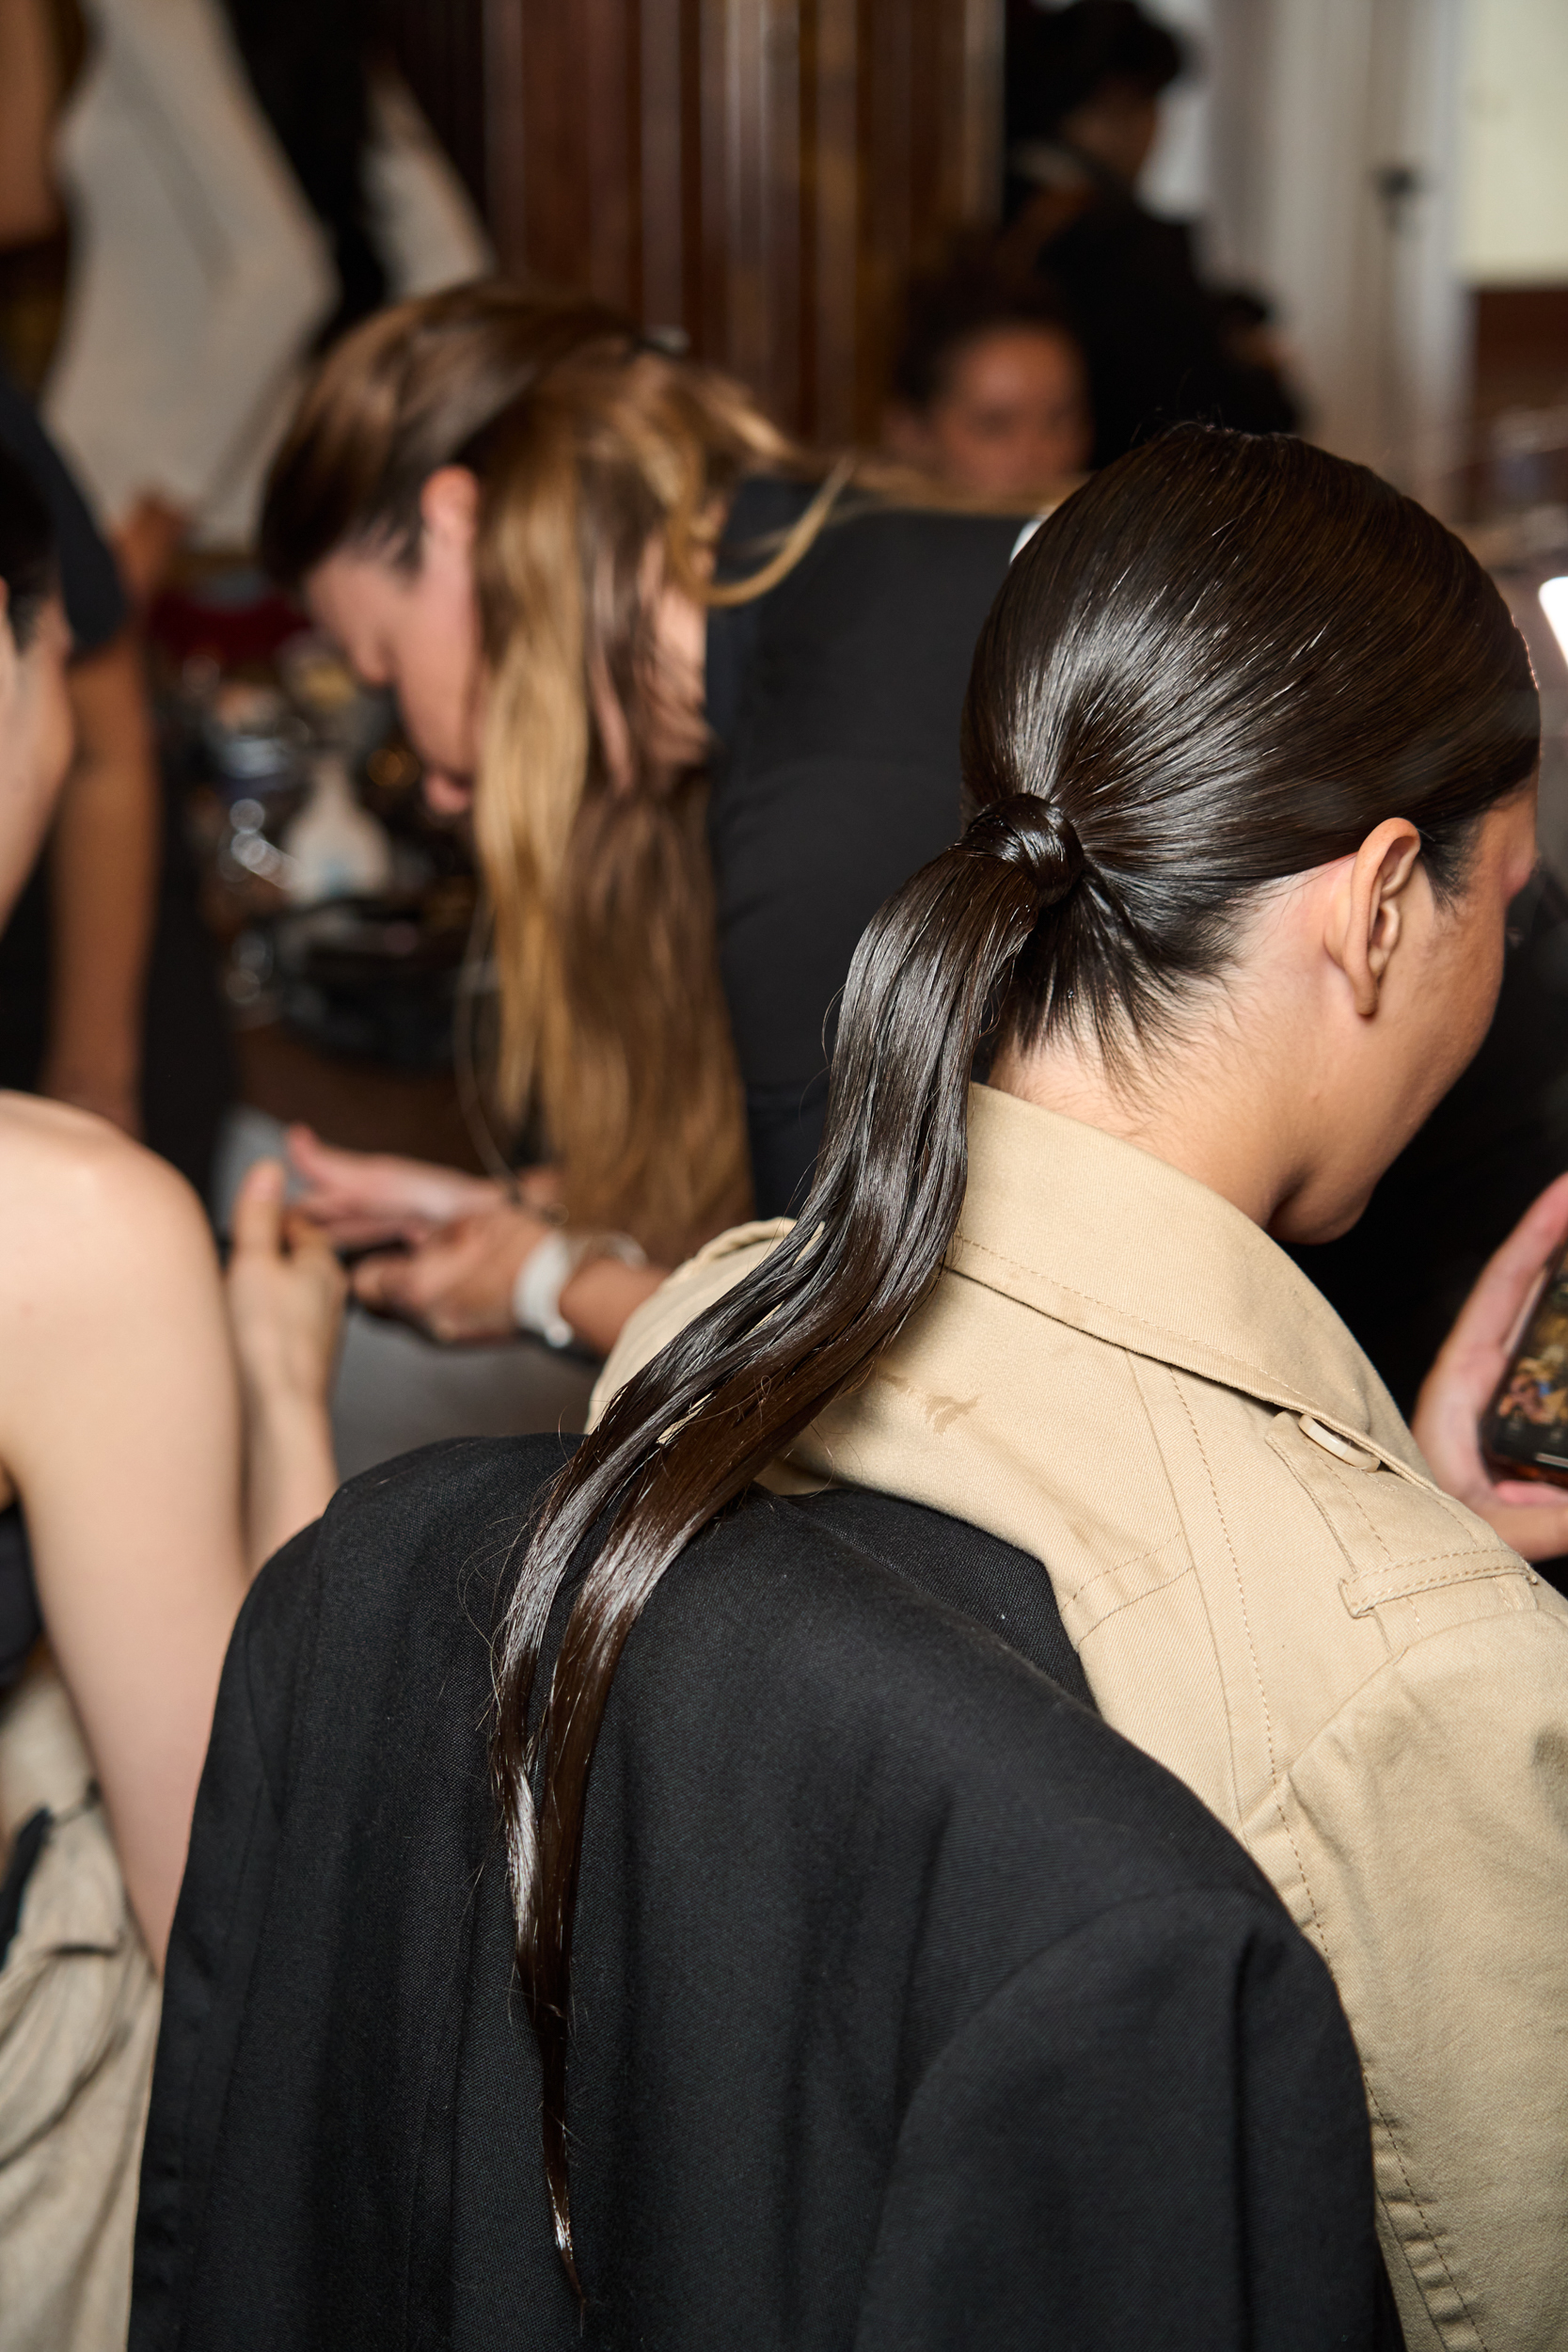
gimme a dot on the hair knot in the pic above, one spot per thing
(1026, 832)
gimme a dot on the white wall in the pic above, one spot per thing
(1278, 149)
(1315, 99)
(1512, 227)
(1176, 179)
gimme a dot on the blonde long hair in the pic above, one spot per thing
(606, 467)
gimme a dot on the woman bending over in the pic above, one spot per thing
(1251, 743)
(600, 582)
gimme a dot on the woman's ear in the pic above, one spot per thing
(449, 507)
(1366, 917)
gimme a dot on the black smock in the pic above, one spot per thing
(912, 2006)
(1154, 338)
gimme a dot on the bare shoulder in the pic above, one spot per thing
(75, 1193)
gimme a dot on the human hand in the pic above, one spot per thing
(1456, 1391)
(285, 1293)
(362, 1200)
(458, 1284)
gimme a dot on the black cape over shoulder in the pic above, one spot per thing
(912, 2007)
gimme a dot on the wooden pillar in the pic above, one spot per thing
(759, 174)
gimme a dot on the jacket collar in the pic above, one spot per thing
(1101, 1235)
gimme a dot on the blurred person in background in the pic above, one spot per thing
(1084, 85)
(990, 391)
(243, 180)
(126, 1542)
(600, 582)
(703, 706)
(73, 955)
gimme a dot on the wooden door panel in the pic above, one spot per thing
(760, 174)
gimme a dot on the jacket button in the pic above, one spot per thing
(1354, 1456)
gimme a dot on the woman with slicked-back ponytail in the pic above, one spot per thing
(1249, 753)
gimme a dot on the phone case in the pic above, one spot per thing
(1524, 1432)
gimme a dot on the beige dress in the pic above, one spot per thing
(1121, 1373)
(78, 2026)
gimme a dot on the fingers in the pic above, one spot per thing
(387, 1283)
(257, 1222)
(1530, 1497)
(1537, 1531)
(1489, 1315)
(305, 1237)
(457, 1286)
(321, 1167)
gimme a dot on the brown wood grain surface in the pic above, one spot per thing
(758, 174)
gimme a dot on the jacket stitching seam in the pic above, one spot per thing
(1136, 1365)
(1275, 1780)
(1139, 1560)
(1375, 2104)
(1499, 1562)
(1251, 1647)
(1236, 1573)
(1188, 1568)
(1353, 1499)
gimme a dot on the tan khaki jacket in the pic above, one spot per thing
(1121, 1373)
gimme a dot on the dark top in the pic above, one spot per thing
(20, 1621)
(912, 2006)
(1497, 1139)
(835, 700)
(1153, 335)
(89, 580)
(187, 1075)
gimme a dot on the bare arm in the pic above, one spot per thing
(466, 1243)
(458, 1284)
(120, 1428)
(103, 874)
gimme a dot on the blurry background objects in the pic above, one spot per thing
(1083, 89)
(242, 177)
(990, 390)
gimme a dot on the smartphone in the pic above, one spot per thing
(1524, 1432)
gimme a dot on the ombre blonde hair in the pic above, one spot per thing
(605, 468)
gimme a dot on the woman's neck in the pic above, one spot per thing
(1204, 1112)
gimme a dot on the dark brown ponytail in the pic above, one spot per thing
(865, 1250)
(1219, 664)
